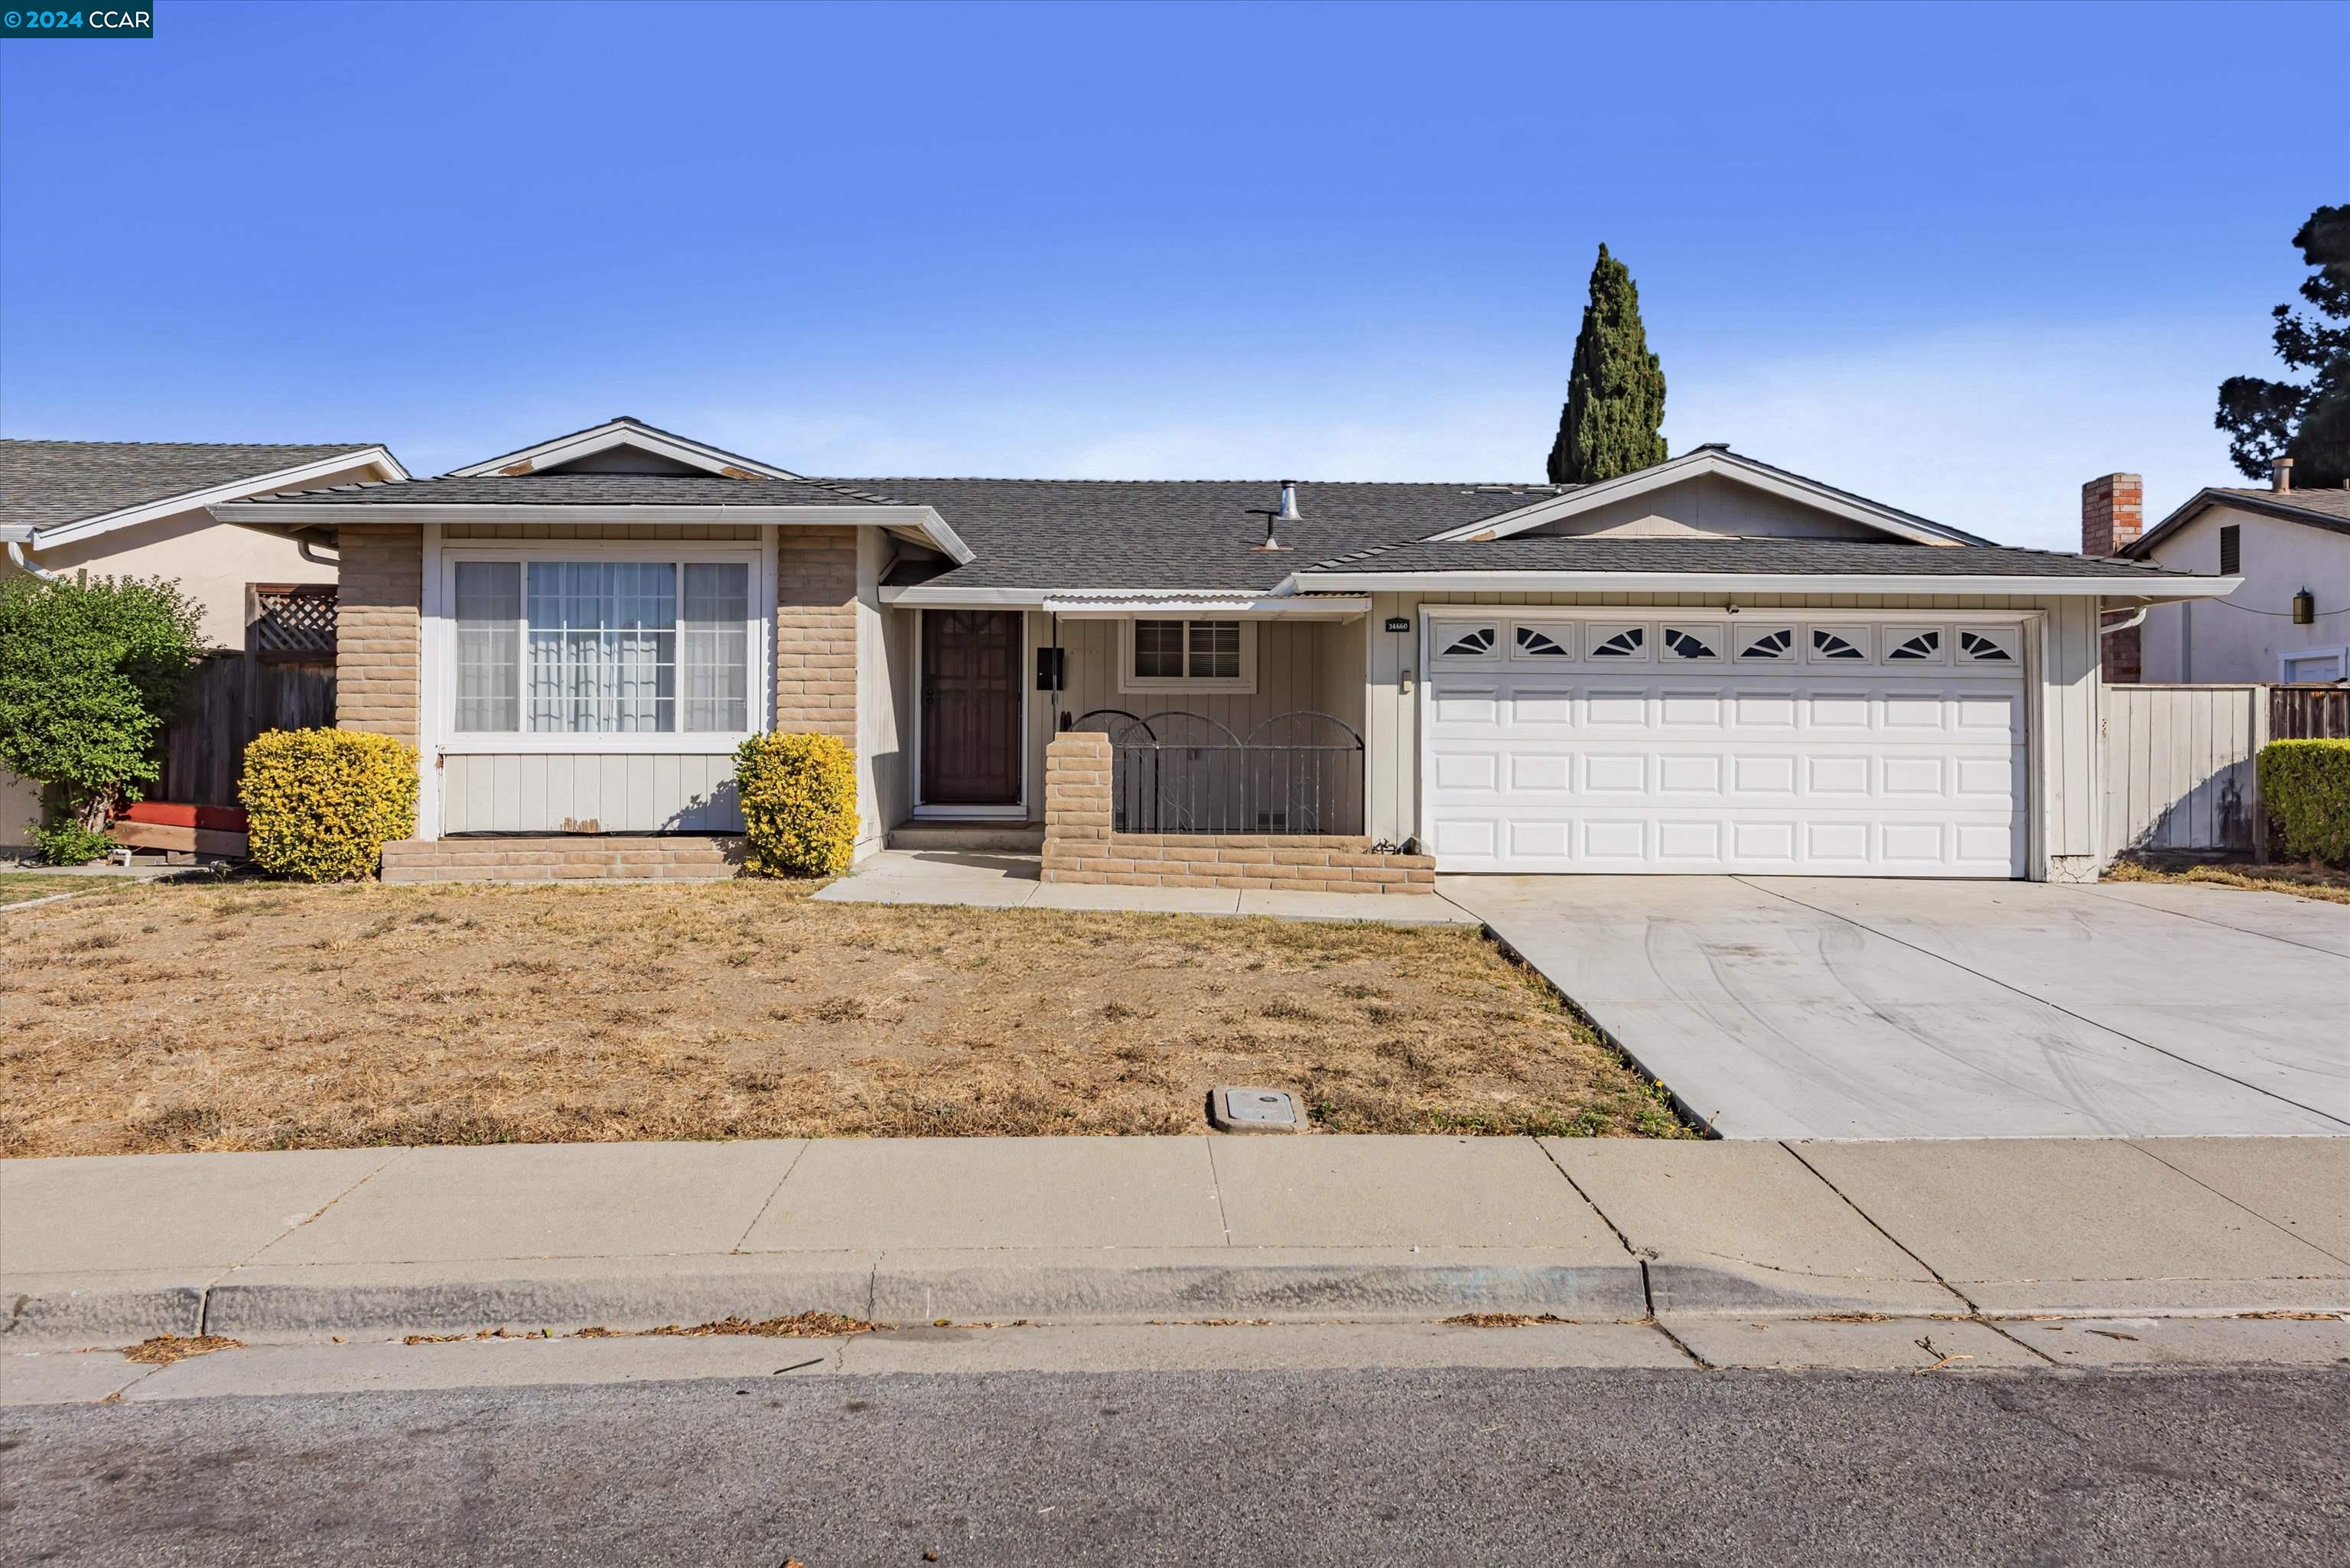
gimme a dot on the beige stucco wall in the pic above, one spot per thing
(2065, 778)
(2242, 637)
(213, 561)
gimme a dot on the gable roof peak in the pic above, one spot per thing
(629, 431)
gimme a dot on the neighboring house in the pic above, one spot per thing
(1711, 665)
(138, 509)
(2290, 621)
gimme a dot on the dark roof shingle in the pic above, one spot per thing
(46, 483)
(1179, 533)
(588, 490)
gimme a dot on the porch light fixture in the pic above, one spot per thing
(2305, 607)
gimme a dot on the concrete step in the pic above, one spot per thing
(572, 857)
(1002, 837)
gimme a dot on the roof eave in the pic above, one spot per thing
(2213, 495)
(206, 496)
(2156, 590)
(288, 514)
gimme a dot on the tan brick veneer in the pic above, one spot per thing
(816, 632)
(1081, 846)
(378, 645)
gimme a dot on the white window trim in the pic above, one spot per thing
(1243, 684)
(441, 649)
(2337, 651)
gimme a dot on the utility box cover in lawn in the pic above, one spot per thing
(1254, 1110)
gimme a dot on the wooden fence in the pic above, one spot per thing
(282, 679)
(2180, 768)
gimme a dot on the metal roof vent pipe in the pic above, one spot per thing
(1286, 512)
(2281, 474)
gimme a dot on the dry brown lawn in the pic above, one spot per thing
(2312, 880)
(264, 1016)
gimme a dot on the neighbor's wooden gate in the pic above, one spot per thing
(2181, 769)
(282, 679)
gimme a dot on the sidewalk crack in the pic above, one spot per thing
(1871, 1220)
(805, 1143)
(2229, 1198)
(1216, 1191)
(1613, 1229)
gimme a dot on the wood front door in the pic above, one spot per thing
(970, 707)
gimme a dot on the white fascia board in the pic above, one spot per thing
(1760, 583)
(1248, 607)
(1693, 465)
(211, 495)
(621, 432)
(329, 514)
(966, 598)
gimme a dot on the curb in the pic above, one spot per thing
(259, 1305)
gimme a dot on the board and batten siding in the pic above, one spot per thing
(2062, 697)
(568, 791)
(2181, 765)
(1314, 666)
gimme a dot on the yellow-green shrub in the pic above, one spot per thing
(2306, 785)
(320, 805)
(799, 803)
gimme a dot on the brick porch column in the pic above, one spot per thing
(816, 632)
(1076, 806)
(378, 639)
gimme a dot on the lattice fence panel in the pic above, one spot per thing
(295, 621)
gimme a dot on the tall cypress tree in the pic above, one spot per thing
(1616, 393)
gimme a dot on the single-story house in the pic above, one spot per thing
(138, 509)
(2290, 622)
(1711, 665)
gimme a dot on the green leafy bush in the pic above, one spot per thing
(2306, 785)
(68, 843)
(799, 803)
(91, 669)
(320, 805)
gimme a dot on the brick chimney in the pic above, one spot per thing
(2112, 512)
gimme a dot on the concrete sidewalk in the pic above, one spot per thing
(1006, 880)
(300, 1246)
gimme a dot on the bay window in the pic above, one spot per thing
(613, 646)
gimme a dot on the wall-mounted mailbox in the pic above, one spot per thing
(1050, 667)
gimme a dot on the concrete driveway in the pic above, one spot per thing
(1841, 1008)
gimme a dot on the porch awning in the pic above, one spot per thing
(1119, 605)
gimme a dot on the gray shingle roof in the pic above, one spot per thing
(47, 483)
(1834, 557)
(589, 490)
(1190, 534)
(2335, 502)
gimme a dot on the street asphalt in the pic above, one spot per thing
(1404, 1467)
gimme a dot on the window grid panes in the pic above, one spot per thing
(597, 647)
(1187, 651)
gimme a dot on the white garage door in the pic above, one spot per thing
(1756, 743)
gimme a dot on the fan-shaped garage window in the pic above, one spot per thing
(1471, 643)
(1827, 644)
(1538, 644)
(1917, 647)
(1626, 644)
(1693, 643)
(1779, 642)
(1984, 648)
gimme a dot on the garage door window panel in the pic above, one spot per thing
(1544, 642)
(1692, 644)
(1763, 644)
(1839, 644)
(1613, 640)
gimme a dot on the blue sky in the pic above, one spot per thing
(1958, 259)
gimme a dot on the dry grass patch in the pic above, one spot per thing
(252, 1017)
(2312, 880)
